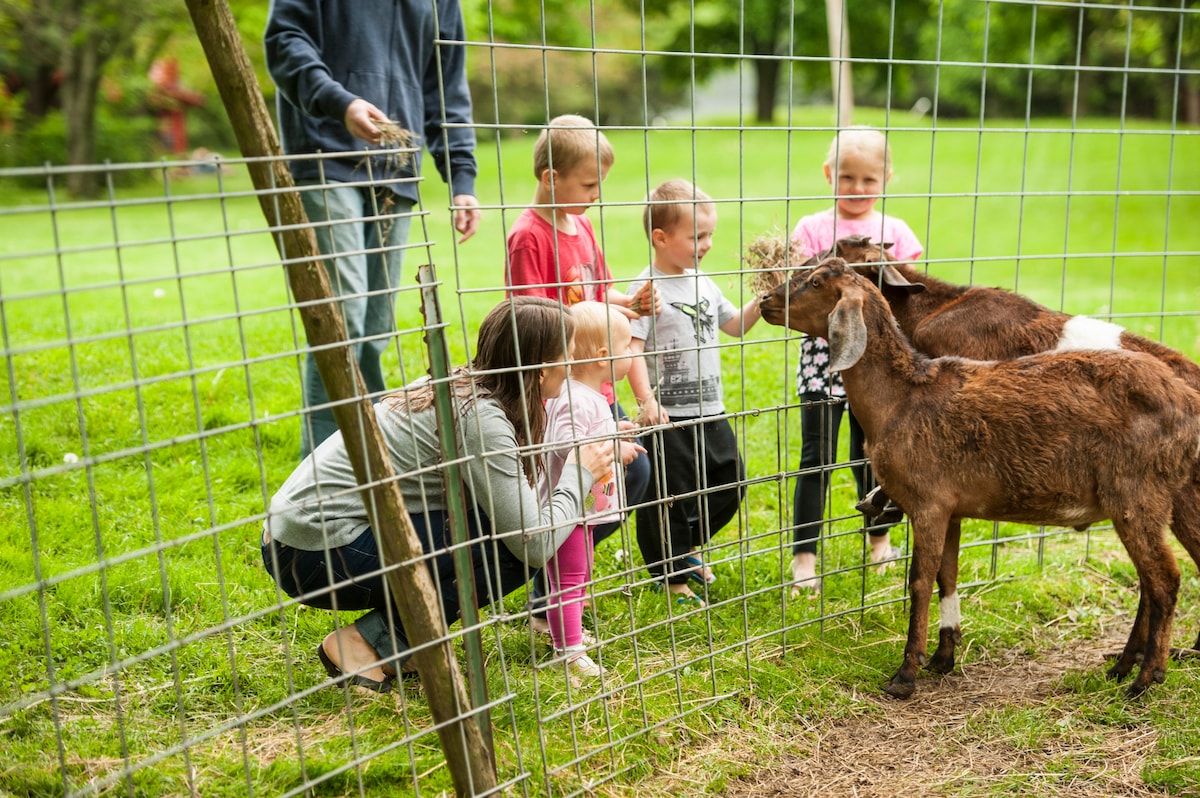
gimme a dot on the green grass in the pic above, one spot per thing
(168, 366)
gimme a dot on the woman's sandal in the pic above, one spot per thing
(357, 680)
(697, 573)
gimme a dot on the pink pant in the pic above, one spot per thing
(569, 571)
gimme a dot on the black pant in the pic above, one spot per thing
(693, 456)
(820, 418)
(352, 571)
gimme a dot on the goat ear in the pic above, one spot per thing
(847, 332)
(893, 277)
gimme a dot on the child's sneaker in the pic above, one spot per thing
(541, 626)
(578, 663)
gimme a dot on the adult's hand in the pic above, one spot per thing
(598, 458)
(360, 120)
(466, 215)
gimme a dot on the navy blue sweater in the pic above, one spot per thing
(323, 54)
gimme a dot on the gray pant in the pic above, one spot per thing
(364, 272)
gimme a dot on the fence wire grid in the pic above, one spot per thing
(154, 358)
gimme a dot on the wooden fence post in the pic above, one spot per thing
(470, 761)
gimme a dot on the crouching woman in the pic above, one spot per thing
(318, 544)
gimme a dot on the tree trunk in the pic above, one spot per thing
(1191, 100)
(839, 63)
(766, 72)
(1087, 79)
(41, 90)
(81, 85)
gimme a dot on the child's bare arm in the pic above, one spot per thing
(643, 391)
(746, 318)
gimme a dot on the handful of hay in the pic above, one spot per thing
(768, 259)
(394, 137)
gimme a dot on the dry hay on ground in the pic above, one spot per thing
(945, 739)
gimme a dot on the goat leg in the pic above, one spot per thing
(1158, 646)
(949, 631)
(1135, 646)
(1185, 522)
(927, 556)
(878, 509)
(1158, 580)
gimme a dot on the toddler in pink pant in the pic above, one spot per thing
(581, 414)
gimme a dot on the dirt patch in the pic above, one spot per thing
(947, 739)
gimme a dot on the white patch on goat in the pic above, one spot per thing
(1081, 332)
(948, 609)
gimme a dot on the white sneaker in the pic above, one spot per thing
(541, 626)
(579, 663)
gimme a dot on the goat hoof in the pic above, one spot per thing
(891, 515)
(941, 664)
(1117, 673)
(898, 688)
(873, 503)
(1137, 689)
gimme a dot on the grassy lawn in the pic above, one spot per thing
(153, 373)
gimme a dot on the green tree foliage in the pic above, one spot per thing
(1019, 50)
(79, 75)
(558, 56)
(65, 46)
(786, 43)
(623, 62)
(1059, 60)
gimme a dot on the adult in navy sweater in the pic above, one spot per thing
(343, 67)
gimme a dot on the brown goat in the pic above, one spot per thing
(1062, 439)
(986, 323)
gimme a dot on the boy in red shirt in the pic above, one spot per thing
(553, 252)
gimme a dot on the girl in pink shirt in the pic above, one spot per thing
(858, 166)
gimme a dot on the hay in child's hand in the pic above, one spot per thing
(391, 137)
(768, 259)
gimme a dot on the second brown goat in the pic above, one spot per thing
(1061, 439)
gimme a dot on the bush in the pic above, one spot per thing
(119, 139)
(535, 86)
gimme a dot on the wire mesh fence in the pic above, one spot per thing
(154, 358)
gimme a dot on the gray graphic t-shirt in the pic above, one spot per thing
(682, 343)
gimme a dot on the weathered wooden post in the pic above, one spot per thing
(469, 759)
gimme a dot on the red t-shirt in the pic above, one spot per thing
(545, 261)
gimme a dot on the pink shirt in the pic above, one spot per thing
(818, 232)
(575, 414)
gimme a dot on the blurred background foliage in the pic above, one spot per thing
(78, 85)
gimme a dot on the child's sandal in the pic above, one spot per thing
(698, 570)
(688, 600)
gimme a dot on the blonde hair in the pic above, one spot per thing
(593, 321)
(673, 202)
(867, 141)
(568, 141)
